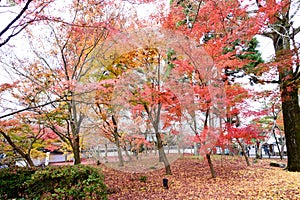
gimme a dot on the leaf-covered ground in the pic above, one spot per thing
(191, 179)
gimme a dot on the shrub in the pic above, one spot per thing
(66, 182)
(12, 179)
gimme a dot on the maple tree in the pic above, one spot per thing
(153, 103)
(138, 60)
(202, 102)
(89, 75)
(24, 133)
(113, 127)
(108, 114)
(55, 77)
(77, 52)
(228, 21)
(153, 77)
(235, 95)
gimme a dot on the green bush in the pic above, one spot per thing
(11, 181)
(63, 182)
(67, 182)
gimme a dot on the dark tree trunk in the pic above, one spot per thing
(211, 167)
(282, 148)
(24, 155)
(277, 145)
(29, 160)
(117, 141)
(243, 151)
(289, 99)
(75, 122)
(76, 151)
(291, 120)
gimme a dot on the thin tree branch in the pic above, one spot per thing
(15, 19)
(29, 108)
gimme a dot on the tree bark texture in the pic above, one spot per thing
(76, 150)
(290, 101)
(162, 154)
(211, 167)
(291, 120)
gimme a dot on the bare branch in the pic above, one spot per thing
(13, 21)
(296, 11)
(296, 30)
(30, 108)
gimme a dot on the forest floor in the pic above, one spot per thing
(191, 179)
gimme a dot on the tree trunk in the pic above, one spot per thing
(29, 160)
(27, 157)
(282, 143)
(127, 154)
(155, 123)
(196, 151)
(244, 153)
(120, 156)
(76, 150)
(277, 145)
(258, 152)
(106, 151)
(162, 154)
(291, 120)
(282, 148)
(211, 167)
(289, 95)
